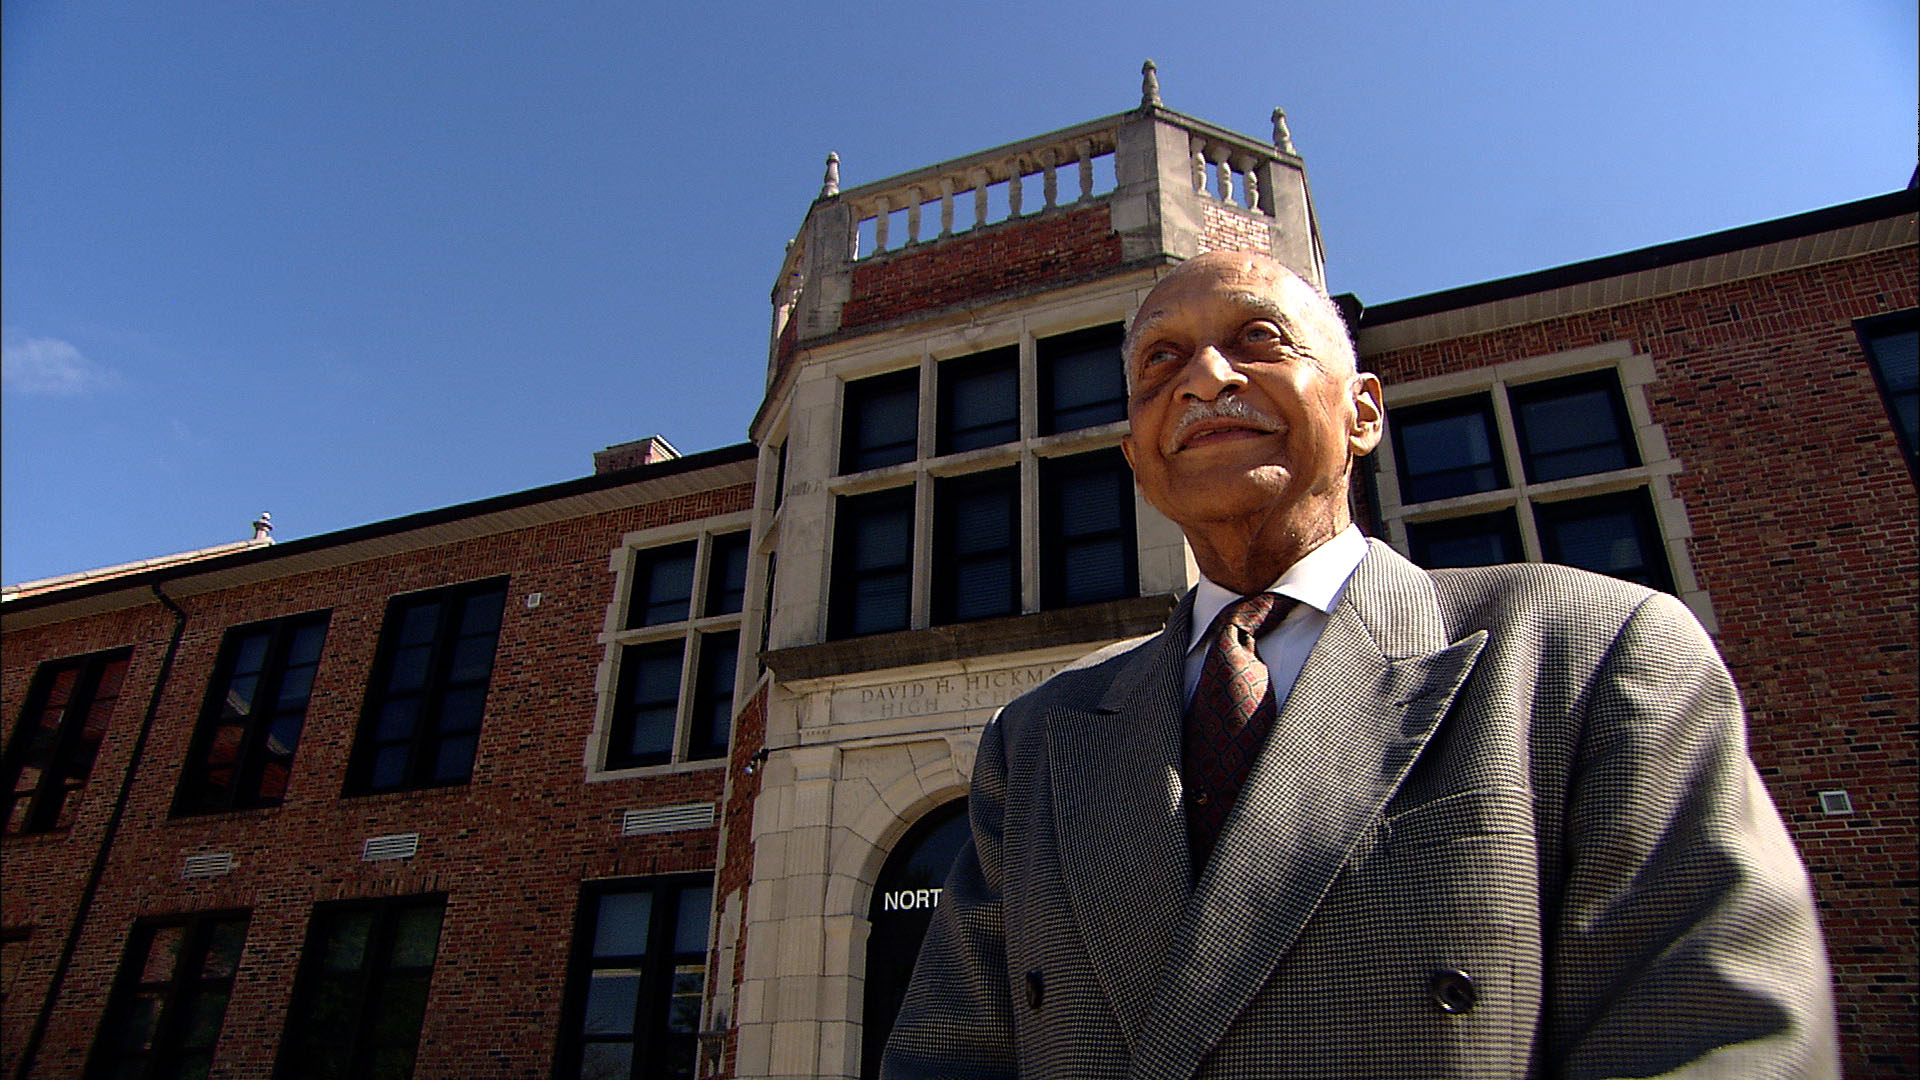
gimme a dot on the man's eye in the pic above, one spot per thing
(1258, 332)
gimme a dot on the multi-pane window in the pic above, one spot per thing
(881, 423)
(976, 535)
(1037, 514)
(429, 688)
(639, 971)
(676, 659)
(1083, 382)
(1892, 344)
(250, 725)
(979, 401)
(1506, 467)
(51, 752)
(1447, 448)
(1086, 529)
(170, 997)
(873, 563)
(361, 994)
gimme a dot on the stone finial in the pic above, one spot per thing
(830, 186)
(1149, 86)
(1282, 138)
(263, 527)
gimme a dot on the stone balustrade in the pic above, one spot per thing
(1065, 169)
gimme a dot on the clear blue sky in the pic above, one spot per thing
(352, 260)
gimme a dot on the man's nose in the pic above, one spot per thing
(1208, 373)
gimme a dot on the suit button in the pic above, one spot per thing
(1200, 799)
(1036, 989)
(1452, 991)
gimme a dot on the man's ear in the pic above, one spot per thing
(1126, 448)
(1369, 416)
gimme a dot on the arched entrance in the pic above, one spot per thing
(903, 899)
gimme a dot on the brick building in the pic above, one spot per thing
(655, 770)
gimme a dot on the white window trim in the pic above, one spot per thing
(614, 638)
(1655, 472)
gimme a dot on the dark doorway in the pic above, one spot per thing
(903, 902)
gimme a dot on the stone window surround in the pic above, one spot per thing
(1023, 454)
(614, 638)
(1654, 473)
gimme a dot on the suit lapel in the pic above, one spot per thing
(1377, 684)
(1115, 769)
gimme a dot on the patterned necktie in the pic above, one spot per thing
(1228, 720)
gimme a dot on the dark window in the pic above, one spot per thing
(1479, 540)
(727, 574)
(872, 563)
(53, 746)
(170, 997)
(662, 586)
(1082, 382)
(255, 708)
(1447, 448)
(647, 705)
(1086, 529)
(1575, 426)
(429, 688)
(639, 971)
(713, 695)
(361, 995)
(979, 400)
(1611, 534)
(976, 532)
(1892, 344)
(882, 421)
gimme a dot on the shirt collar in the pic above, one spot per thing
(1316, 581)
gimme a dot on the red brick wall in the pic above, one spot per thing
(1045, 249)
(510, 848)
(1803, 514)
(1226, 228)
(736, 874)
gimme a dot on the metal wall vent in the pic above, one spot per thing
(207, 864)
(655, 819)
(1835, 802)
(396, 846)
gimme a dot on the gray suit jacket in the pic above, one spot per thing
(1523, 791)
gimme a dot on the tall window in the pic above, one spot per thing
(979, 401)
(976, 535)
(1892, 344)
(678, 656)
(51, 752)
(639, 971)
(1083, 381)
(170, 998)
(873, 563)
(881, 423)
(429, 688)
(1456, 461)
(361, 995)
(250, 725)
(1086, 529)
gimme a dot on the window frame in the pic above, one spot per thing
(709, 621)
(1053, 534)
(368, 979)
(51, 795)
(1540, 390)
(1634, 374)
(428, 732)
(655, 996)
(178, 991)
(1453, 408)
(858, 395)
(948, 560)
(849, 511)
(1049, 351)
(1874, 329)
(250, 759)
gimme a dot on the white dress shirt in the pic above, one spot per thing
(1316, 581)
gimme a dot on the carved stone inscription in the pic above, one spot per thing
(941, 694)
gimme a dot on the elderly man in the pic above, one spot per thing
(1345, 817)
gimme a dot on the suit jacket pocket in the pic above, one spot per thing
(1500, 810)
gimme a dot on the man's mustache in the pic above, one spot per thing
(1224, 407)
